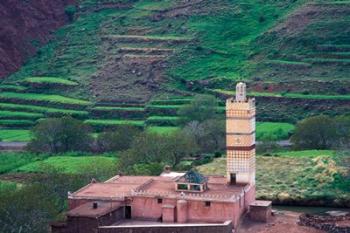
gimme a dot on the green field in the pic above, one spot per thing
(15, 135)
(212, 46)
(69, 164)
(162, 129)
(19, 115)
(299, 176)
(42, 98)
(272, 131)
(10, 161)
(111, 122)
(289, 95)
(49, 80)
(40, 109)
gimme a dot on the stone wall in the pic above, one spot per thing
(331, 224)
(185, 228)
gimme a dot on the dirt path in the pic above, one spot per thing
(282, 222)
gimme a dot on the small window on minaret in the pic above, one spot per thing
(207, 204)
(160, 201)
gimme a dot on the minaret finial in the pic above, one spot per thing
(241, 93)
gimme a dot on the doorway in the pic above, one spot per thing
(233, 180)
(127, 212)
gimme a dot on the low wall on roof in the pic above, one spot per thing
(174, 228)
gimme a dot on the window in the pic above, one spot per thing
(195, 187)
(182, 187)
(207, 204)
(160, 201)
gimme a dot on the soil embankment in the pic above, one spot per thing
(26, 25)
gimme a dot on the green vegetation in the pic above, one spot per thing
(41, 98)
(59, 135)
(305, 153)
(162, 129)
(289, 95)
(7, 186)
(225, 36)
(15, 135)
(20, 115)
(322, 132)
(273, 131)
(163, 120)
(11, 161)
(297, 176)
(11, 87)
(17, 123)
(40, 109)
(49, 80)
(107, 122)
(67, 164)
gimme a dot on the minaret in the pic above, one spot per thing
(240, 137)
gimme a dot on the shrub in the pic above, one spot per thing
(70, 11)
(201, 108)
(117, 140)
(315, 133)
(56, 135)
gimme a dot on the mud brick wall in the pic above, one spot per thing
(222, 228)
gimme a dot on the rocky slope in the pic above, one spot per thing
(26, 25)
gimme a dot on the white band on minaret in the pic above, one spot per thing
(241, 92)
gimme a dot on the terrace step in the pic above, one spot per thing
(43, 100)
(5, 123)
(334, 47)
(148, 57)
(103, 124)
(328, 61)
(163, 110)
(138, 38)
(106, 112)
(163, 121)
(333, 55)
(146, 51)
(51, 112)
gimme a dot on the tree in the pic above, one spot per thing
(342, 125)
(315, 133)
(152, 148)
(27, 209)
(209, 135)
(57, 135)
(117, 140)
(70, 11)
(201, 108)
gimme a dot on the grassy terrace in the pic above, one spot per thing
(316, 175)
(49, 80)
(288, 95)
(69, 164)
(19, 115)
(175, 101)
(16, 123)
(108, 108)
(11, 87)
(162, 129)
(42, 98)
(273, 131)
(163, 120)
(15, 135)
(40, 109)
(110, 122)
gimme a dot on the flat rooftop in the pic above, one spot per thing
(139, 223)
(87, 210)
(157, 186)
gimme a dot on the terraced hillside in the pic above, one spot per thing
(118, 59)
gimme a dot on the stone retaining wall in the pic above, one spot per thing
(331, 224)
